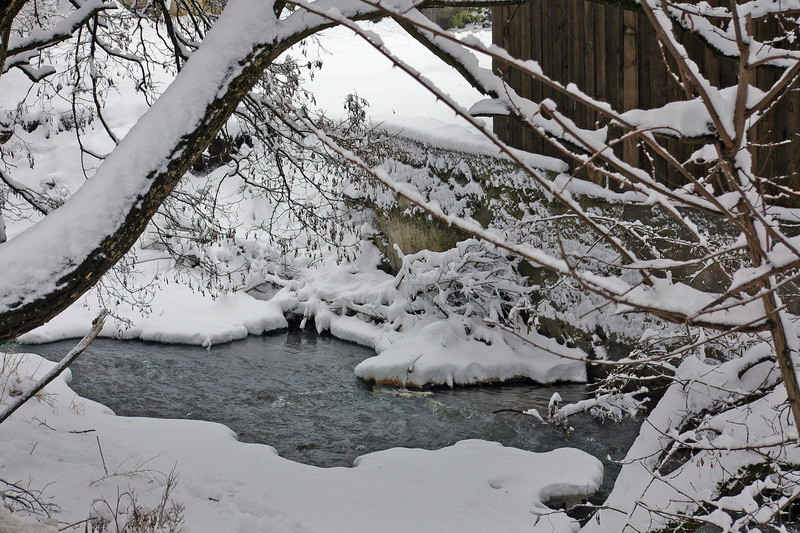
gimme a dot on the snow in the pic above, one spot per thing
(470, 486)
(646, 498)
(61, 31)
(225, 485)
(40, 256)
(686, 118)
(374, 78)
(437, 352)
(180, 315)
(353, 329)
(14, 523)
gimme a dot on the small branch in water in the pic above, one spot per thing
(508, 411)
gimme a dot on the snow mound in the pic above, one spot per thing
(179, 315)
(438, 353)
(17, 523)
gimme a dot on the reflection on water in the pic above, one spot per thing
(297, 391)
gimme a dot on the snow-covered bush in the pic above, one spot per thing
(472, 280)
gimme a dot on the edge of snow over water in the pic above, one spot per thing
(225, 485)
(426, 350)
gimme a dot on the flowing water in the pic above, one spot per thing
(297, 391)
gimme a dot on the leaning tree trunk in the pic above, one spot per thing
(8, 11)
(24, 303)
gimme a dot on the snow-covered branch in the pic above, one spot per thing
(63, 30)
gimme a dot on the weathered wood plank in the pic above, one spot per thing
(612, 54)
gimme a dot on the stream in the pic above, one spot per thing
(296, 391)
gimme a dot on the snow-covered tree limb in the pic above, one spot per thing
(62, 31)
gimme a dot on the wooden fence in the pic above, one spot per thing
(612, 54)
(177, 7)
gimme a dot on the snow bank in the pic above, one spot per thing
(226, 485)
(179, 315)
(17, 523)
(417, 350)
(436, 352)
(343, 299)
(722, 452)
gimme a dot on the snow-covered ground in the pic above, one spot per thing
(83, 458)
(395, 100)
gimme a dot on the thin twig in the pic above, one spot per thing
(102, 457)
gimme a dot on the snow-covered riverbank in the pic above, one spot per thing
(82, 457)
(412, 347)
(426, 350)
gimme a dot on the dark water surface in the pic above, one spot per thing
(297, 391)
